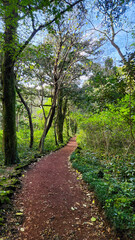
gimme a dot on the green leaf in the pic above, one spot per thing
(93, 219)
(19, 214)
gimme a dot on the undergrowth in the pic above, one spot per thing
(113, 182)
(25, 153)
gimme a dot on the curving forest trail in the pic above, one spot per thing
(56, 203)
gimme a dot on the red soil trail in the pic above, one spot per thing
(56, 203)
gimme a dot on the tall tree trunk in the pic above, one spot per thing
(61, 112)
(8, 87)
(29, 116)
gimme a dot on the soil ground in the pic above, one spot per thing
(54, 203)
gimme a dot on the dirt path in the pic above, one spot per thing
(56, 203)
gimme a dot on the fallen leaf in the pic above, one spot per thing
(88, 223)
(21, 210)
(22, 229)
(72, 208)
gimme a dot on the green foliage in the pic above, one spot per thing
(1, 136)
(3, 197)
(108, 132)
(114, 188)
(106, 85)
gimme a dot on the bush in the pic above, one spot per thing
(110, 131)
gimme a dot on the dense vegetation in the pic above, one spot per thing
(44, 100)
(113, 181)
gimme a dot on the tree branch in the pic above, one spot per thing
(44, 26)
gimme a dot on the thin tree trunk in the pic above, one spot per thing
(55, 133)
(67, 124)
(60, 118)
(47, 126)
(29, 116)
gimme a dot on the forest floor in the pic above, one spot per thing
(54, 203)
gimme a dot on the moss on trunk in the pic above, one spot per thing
(8, 86)
(9, 116)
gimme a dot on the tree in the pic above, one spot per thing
(110, 13)
(105, 85)
(108, 64)
(57, 69)
(13, 12)
(8, 83)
